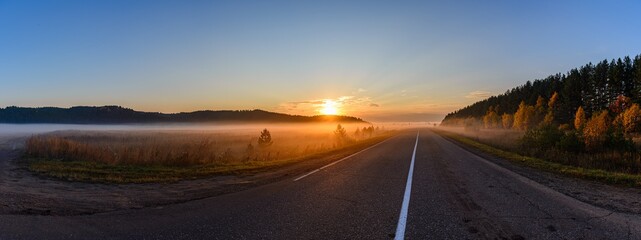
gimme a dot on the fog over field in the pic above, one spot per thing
(13, 135)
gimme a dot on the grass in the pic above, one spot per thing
(608, 177)
(105, 172)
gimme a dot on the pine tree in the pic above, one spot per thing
(265, 139)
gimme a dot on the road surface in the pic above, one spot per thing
(451, 194)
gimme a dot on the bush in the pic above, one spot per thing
(570, 142)
(617, 141)
(546, 136)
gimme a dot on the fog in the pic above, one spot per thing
(31, 129)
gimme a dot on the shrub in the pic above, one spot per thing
(545, 136)
(571, 142)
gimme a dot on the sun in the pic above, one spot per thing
(329, 107)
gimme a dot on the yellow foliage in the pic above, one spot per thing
(507, 120)
(553, 99)
(595, 130)
(630, 118)
(524, 117)
(549, 118)
(491, 119)
(540, 103)
(579, 118)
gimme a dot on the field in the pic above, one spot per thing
(171, 155)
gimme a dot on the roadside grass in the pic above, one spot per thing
(608, 177)
(98, 172)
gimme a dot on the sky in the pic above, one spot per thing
(379, 60)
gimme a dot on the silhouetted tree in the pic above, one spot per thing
(341, 135)
(265, 139)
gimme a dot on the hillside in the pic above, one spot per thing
(120, 115)
(592, 87)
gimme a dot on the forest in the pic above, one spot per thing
(592, 87)
(588, 117)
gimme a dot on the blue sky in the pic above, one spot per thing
(387, 60)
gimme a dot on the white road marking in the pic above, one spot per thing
(342, 159)
(402, 219)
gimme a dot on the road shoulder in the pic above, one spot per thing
(614, 198)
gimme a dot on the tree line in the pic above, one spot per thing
(587, 117)
(592, 87)
(120, 115)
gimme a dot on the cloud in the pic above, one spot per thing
(374, 105)
(478, 95)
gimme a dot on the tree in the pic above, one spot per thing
(507, 120)
(595, 130)
(553, 99)
(524, 116)
(341, 135)
(491, 119)
(579, 119)
(549, 118)
(265, 139)
(620, 104)
(630, 119)
(250, 149)
(539, 111)
(357, 133)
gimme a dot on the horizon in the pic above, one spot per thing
(206, 110)
(372, 60)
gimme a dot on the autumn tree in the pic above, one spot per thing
(524, 117)
(579, 119)
(507, 120)
(620, 104)
(265, 139)
(539, 111)
(630, 119)
(491, 119)
(553, 99)
(595, 130)
(549, 116)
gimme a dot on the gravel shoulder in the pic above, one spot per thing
(613, 198)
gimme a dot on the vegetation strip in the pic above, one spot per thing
(613, 178)
(90, 171)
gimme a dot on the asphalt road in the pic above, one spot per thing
(454, 195)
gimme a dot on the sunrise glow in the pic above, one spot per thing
(329, 107)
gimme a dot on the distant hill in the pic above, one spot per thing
(120, 115)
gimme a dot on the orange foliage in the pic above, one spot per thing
(595, 130)
(524, 117)
(491, 119)
(507, 120)
(630, 118)
(579, 118)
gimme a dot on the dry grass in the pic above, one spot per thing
(621, 176)
(144, 156)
